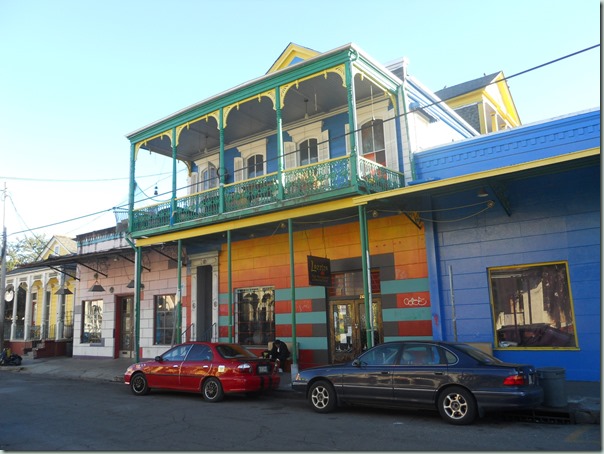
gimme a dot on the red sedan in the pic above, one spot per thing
(214, 369)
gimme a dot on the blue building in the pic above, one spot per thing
(512, 222)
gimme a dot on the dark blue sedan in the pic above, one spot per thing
(459, 380)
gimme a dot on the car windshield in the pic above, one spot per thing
(477, 354)
(233, 351)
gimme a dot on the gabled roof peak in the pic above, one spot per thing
(292, 54)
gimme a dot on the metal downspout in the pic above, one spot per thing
(366, 275)
(406, 120)
(292, 272)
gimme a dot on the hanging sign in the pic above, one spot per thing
(319, 271)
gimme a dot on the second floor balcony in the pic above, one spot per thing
(312, 183)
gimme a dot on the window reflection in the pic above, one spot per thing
(532, 306)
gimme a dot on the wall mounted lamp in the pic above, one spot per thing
(131, 284)
(63, 291)
(482, 193)
(96, 287)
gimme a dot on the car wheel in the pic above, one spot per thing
(457, 406)
(322, 397)
(139, 385)
(212, 390)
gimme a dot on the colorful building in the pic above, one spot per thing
(329, 162)
(39, 303)
(335, 203)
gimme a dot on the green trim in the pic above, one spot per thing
(405, 286)
(302, 317)
(407, 314)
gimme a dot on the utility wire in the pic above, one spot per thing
(87, 180)
(402, 115)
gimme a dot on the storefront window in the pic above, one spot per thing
(92, 321)
(532, 306)
(165, 319)
(350, 283)
(255, 315)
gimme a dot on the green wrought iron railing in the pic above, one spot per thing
(312, 181)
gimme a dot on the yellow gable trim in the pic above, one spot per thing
(291, 52)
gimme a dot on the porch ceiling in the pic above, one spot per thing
(256, 117)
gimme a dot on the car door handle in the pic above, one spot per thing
(439, 373)
(385, 372)
(175, 365)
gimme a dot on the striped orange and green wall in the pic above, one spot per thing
(397, 249)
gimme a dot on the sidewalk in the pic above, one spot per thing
(583, 397)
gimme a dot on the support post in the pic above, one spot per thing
(179, 293)
(366, 275)
(137, 300)
(230, 283)
(292, 272)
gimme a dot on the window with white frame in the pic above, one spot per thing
(309, 152)
(252, 162)
(209, 177)
(372, 141)
(309, 144)
(92, 321)
(255, 166)
(164, 320)
(376, 137)
(532, 306)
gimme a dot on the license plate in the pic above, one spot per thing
(263, 369)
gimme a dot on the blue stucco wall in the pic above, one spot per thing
(553, 218)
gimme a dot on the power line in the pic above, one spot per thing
(62, 222)
(87, 180)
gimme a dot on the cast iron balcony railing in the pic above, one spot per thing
(309, 183)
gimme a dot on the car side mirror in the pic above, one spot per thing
(158, 358)
(356, 362)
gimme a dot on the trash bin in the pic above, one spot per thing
(553, 382)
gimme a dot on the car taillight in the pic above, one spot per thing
(515, 380)
(245, 368)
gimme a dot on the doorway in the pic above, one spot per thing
(125, 327)
(204, 303)
(348, 328)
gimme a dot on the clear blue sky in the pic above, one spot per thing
(77, 76)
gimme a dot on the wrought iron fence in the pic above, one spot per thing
(310, 181)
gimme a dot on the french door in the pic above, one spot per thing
(348, 328)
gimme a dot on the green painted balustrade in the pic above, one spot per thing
(306, 184)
